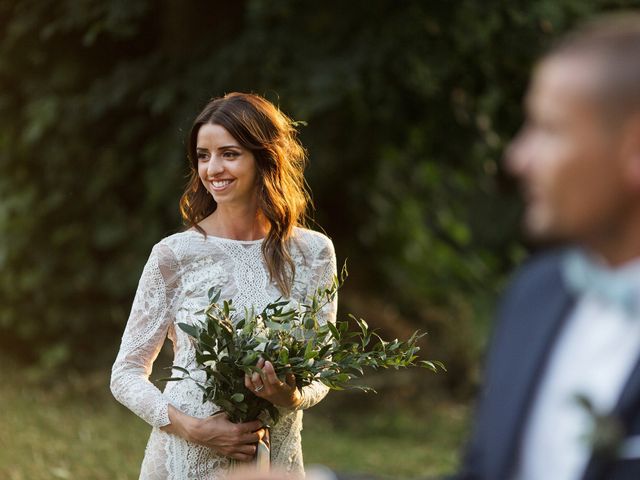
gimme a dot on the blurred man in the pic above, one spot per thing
(562, 382)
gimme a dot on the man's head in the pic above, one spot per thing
(578, 154)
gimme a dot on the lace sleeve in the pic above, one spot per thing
(323, 273)
(143, 338)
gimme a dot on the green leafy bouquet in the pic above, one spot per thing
(228, 346)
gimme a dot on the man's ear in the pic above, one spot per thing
(631, 152)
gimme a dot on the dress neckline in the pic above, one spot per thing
(223, 239)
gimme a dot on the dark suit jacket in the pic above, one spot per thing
(531, 315)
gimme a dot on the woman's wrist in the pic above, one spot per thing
(295, 401)
(297, 398)
(181, 424)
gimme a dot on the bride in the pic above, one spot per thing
(243, 207)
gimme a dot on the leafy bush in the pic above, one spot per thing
(409, 106)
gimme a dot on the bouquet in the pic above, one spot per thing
(228, 345)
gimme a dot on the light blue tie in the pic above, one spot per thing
(616, 288)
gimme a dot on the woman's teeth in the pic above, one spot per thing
(221, 183)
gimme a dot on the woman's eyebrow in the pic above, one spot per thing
(204, 149)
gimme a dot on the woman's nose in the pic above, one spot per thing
(215, 166)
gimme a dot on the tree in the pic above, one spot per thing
(409, 106)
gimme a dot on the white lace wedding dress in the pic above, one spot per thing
(173, 287)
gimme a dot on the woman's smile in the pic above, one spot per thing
(221, 185)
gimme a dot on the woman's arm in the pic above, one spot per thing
(324, 272)
(285, 394)
(146, 330)
(144, 335)
(217, 432)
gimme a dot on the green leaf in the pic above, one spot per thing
(170, 379)
(250, 358)
(364, 327)
(237, 397)
(310, 323)
(189, 329)
(180, 369)
(210, 294)
(283, 356)
(278, 303)
(433, 365)
(343, 327)
(309, 350)
(334, 331)
(226, 404)
(275, 325)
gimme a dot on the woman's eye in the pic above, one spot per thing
(230, 154)
(201, 156)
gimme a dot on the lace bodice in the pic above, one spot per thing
(173, 287)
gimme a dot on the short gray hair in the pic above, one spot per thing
(613, 41)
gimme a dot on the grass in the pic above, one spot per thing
(385, 438)
(71, 431)
(71, 428)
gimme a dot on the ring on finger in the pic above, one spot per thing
(258, 388)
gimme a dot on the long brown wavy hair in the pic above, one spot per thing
(283, 196)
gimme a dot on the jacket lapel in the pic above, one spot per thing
(625, 409)
(521, 364)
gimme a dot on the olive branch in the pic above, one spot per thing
(295, 340)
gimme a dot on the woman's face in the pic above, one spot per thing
(227, 169)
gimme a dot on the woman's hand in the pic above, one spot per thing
(250, 473)
(235, 440)
(271, 388)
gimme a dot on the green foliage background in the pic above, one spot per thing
(409, 106)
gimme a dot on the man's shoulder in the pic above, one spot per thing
(534, 282)
(539, 268)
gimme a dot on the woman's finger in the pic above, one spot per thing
(249, 427)
(248, 438)
(243, 457)
(270, 375)
(255, 384)
(245, 449)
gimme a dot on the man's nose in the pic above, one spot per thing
(516, 157)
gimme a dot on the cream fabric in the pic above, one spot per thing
(172, 288)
